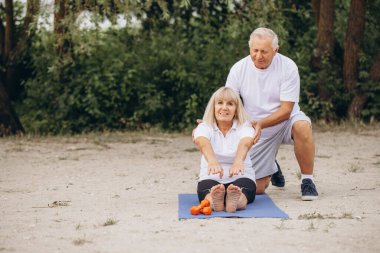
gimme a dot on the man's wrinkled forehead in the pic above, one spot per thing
(262, 42)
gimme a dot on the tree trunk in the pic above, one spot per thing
(2, 41)
(32, 9)
(8, 44)
(325, 44)
(354, 34)
(352, 45)
(360, 99)
(316, 8)
(11, 55)
(374, 74)
(9, 29)
(9, 122)
(60, 29)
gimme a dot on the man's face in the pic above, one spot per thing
(262, 52)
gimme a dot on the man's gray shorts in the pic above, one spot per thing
(263, 154)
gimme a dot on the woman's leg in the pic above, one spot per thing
(214, 192)
(240, 193)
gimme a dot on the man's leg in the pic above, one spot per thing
(304, 149)
(262, 184)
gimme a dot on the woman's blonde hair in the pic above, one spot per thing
(229, 94)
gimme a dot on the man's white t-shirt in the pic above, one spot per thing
(225, 148)
(262, 90)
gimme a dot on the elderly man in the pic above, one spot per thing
(269, 85)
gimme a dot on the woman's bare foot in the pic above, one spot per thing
(217, 197)
(233, 196)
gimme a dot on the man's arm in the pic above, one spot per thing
(283, 113)
(213, 164)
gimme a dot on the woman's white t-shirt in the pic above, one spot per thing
(225, 148)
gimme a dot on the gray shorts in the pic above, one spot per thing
(263, 154)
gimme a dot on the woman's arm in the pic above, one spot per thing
(205, 147)
(238, 166)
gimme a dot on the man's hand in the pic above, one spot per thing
(192, 133)
(215, 168)
(257, 126)
(236, 168)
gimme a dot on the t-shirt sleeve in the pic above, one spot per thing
(233, 80)
(290, 86)
(202, 130)
(247, 130)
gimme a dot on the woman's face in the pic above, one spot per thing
(224, 110)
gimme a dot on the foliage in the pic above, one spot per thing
(164, 72)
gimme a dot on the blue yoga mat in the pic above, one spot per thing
(262, 207)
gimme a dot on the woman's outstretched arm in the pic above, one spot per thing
(205, 147)
(238, 166)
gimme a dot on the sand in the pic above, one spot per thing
(117, 192)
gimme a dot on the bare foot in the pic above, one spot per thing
(217, 197)
(233, 196)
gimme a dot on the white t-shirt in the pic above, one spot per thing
(225, 148)
(263, 89)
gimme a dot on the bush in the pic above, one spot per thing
(164, 73)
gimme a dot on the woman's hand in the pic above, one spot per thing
(236, 168)
(215, 168)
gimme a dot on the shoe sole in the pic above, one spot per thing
(279, 185)
(309, 198)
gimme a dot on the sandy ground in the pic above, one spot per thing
(118, 193)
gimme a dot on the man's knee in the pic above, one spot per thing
(301, 130)
(262, 184)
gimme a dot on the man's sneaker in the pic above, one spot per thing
(308, 190)
(277, 178)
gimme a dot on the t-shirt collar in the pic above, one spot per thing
(234, 126)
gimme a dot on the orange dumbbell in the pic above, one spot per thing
(206, 210)
(203, 207)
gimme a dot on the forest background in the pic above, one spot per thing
(156, 63)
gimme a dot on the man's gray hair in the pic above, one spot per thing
(263, 33)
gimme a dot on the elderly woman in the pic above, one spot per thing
(225, 136)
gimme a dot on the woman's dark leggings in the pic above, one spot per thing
(247, 186)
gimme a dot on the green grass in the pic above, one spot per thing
(315, 215)
(110, 222)
(355, 168)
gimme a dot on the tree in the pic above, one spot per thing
(353, 39)
(375, 69)
(361, 98)
(324, 11)
(11, 54)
